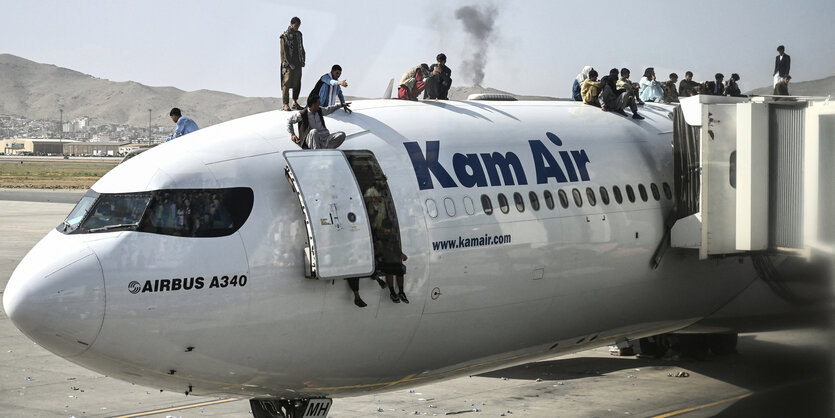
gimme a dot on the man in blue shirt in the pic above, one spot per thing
(184, 124)
(331, 87)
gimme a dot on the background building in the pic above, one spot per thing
(97, 149)
(31, 146)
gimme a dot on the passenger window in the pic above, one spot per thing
(503, 206)
(449, 205)
(618, 195)
(590, 196)
(549, 199)
(630, 194)
(667, 191)
(643, 191)
(578, 198)
(604, 195)
(432, 208)
(563, 198)
(534, 200)
(469, 207)
(486, 204)
(520, 203)
(655, 193)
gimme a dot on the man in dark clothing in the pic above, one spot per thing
(782, 88)
(669, 88)
(717, 88)
(438, 83)
(609, 91)
(688, 87)
(782, 64)
(292, 61)
(732, 89)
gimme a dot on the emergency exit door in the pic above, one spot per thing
(339, 234)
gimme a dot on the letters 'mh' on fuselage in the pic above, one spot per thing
(474, 170)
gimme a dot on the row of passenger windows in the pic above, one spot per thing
(576, 196)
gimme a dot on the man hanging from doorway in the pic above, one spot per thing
(389, 258)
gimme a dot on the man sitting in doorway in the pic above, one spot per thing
(313, 134)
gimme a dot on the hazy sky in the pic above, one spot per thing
(536, 47)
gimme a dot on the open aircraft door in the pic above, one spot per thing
(339, 233)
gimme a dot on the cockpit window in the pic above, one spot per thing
(185, 213)
(79, 212)
(198, 213)
(116, 211)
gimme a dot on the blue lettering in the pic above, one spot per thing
(504, 162)
(569, 166)
(545, 164)
(581, 159)
(424, 164)
(460, 162)
(474, 170)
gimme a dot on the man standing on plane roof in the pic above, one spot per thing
(184, 124)
(292, 61)
(782, 65)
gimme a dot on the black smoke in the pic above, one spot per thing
(478, 23)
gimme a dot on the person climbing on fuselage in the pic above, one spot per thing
(313, 134)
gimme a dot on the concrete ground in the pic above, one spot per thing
(780, 374)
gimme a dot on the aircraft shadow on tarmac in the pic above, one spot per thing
(783, 378)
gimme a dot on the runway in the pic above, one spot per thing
(778, 374)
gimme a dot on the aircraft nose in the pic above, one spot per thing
(56, 295)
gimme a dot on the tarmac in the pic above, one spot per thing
(779, 374)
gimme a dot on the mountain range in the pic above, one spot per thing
(38, 91)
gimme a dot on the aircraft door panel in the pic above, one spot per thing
(339, 233)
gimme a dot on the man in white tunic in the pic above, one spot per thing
(313, 134)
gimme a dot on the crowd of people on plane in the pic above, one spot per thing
(613, 93)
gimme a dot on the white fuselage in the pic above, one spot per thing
(486, 290)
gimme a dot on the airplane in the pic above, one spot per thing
(216, 264)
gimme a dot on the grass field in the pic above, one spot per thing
(51, 174)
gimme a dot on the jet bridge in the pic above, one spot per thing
(754, 175)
